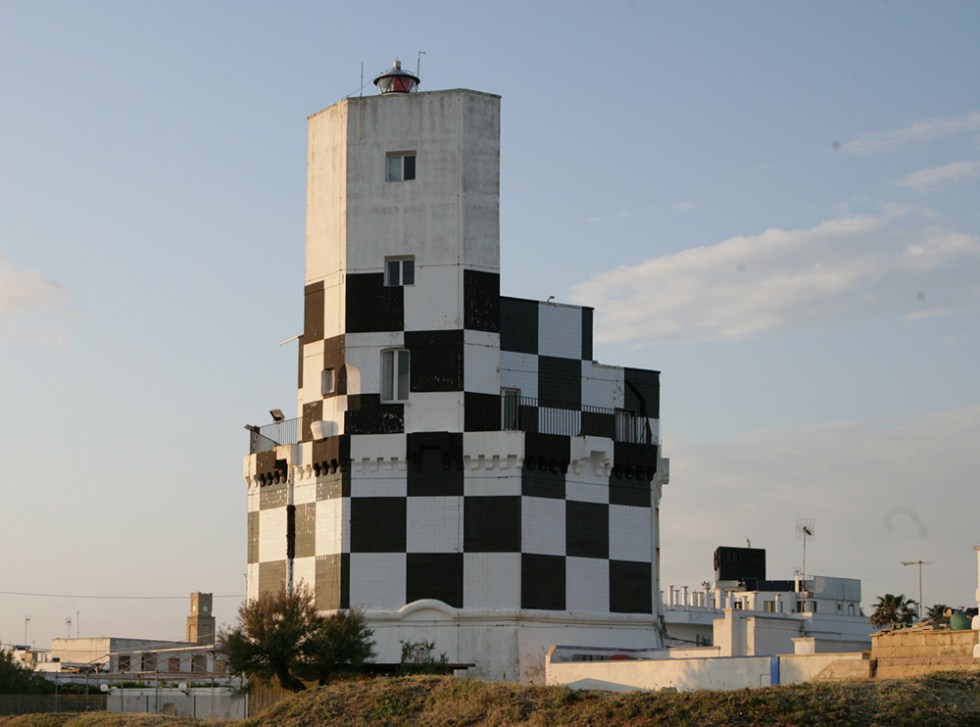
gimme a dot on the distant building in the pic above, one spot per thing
(744, 614)
(461, 468)
(129, 656)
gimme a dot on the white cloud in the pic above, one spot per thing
(878, 494)
(22, 290)
(926, 180)
(748, 286)
(928, 130)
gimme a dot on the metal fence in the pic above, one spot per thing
(34, 703)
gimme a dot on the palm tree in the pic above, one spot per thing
(894, 611)
(937, 613)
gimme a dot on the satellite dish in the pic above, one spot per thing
(104, 688)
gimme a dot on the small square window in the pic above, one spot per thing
(327, 382)
(400, 271)
(400, 166)
(394, 375)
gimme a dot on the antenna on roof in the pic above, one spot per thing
(418, 63)
(804, 530)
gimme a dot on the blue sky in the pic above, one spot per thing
(774, 204)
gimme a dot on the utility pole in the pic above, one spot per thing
(27, 620)
(919, 563)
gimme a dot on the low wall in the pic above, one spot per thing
(911, 652)
(723, 673)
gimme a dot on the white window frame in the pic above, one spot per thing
(328, 382)
(399, 271)
(395, 166)
(396, 375)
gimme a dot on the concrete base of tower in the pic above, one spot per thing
(504, 645)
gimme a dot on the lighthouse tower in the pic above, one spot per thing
(460, 469)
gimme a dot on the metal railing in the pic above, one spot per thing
(508, 413)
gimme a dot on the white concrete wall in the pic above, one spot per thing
(688, 674)
(502, 644)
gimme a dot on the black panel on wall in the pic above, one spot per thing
(543, 582)
(643, 391)
(586, 529)
(312, 412)
(543, 483)
(313, 312)
(546, 451)
(437, 360)
(482, 412)
(598, 424)
(492, 524)
(629, 490)
(331, 576)
(481, 301)
(434, 575)
(518, 325)
(377, 524)
(334, 358)
(587, 334)
(372, 305)
(367, 415)
(435, 464)
(559, 382)
(630, 587)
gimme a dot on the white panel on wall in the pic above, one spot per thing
(312, 366)
(438, 411)
(378, 482)
(332, 531)
(377, 447)
(630, 535)
(304, 492)
(519, 370)
(377, 580)
(363, 359)
(491, 580)
(434, 525)
(587, 585)
(602, 386)
(559, 330)
(335, 307)
(543, 526)
(586, 488)
(481, 362)
(272, 534)
(435, 301)
(304, 571)
(333, 412)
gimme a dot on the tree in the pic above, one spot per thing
(283, 636)
(937, 613)
(17, 679)
(894, 611)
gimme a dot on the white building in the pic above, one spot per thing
(744, 614)
(460, 467)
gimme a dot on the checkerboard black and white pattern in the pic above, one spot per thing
(434, 498)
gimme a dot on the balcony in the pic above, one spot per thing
(508, 413)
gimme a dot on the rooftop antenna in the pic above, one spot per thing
(418, 63)
(919, 563)
(27, 620)
(804, 530)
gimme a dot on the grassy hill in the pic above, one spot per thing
(940, 699)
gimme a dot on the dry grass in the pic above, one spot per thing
(951, 698)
